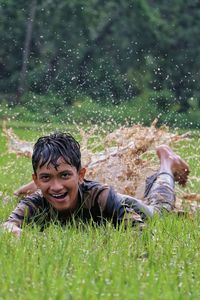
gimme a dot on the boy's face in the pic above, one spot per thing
(59, 186)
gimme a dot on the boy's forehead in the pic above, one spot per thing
(55, 163)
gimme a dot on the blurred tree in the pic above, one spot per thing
(12, 16)
(108, 50)
(177, 53)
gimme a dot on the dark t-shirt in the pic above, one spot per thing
(96, 202)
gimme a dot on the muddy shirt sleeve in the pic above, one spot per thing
(120, 208)
(25, 210)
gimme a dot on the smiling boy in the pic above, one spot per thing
(63, 194)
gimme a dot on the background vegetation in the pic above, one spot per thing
(141, 54)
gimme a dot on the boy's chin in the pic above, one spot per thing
(62, 204)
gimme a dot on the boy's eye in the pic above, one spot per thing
(65, 175)
(45, 178)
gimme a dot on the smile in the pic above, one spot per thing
(59, 196)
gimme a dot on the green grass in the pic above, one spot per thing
(103, 263)
(85, 262)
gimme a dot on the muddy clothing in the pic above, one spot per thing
(100, 203)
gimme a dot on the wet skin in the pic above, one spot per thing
(173, 163)
(59, 185)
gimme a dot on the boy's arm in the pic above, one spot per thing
(121, 208)
(11, 227)
(22, 213)
(26, 189)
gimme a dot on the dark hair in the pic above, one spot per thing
(48, 149)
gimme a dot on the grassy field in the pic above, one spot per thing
(161, 262)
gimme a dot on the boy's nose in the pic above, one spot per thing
(56, 186)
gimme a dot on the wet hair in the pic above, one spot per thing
(48, 149)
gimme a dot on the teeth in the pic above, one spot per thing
(59, 195)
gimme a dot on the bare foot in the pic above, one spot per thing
(174, 163)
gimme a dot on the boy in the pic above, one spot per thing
(63, 194)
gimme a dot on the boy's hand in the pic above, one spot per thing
(26, 189)
(13, 229)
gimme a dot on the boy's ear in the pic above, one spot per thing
(82, 174)
(34, 177)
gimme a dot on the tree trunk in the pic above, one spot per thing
(22, 88)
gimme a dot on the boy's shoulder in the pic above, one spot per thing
(94, 193)
(95, 196)
(35, 199)
(89, 185)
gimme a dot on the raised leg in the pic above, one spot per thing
(172, 168)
